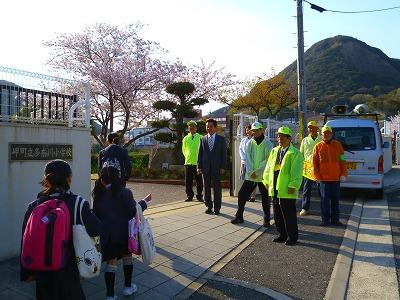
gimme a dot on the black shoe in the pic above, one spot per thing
(237, 220)
(189, 199)
(209, 211)
(216, 212)
(324, 224)
(290, 243)
(267, 224)
(338, 223)
(279, 240)
(200, 198)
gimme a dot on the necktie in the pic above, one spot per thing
(281, 155)
(210, 143)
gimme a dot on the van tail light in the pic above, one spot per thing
(380, 165)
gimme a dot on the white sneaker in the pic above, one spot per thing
(111, 298)
(129, 290)
(304, 212)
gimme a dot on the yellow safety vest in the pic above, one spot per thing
(307, 149)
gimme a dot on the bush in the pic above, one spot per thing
(140, 160)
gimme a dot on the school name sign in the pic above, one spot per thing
(26, 152)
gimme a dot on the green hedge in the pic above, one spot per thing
(140, 160)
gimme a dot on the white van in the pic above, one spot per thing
(362, 142)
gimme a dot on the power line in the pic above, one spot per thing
(321, 9)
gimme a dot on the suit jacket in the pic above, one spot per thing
(212, 161)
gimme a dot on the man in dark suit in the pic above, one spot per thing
(212, 164)
(116, 156)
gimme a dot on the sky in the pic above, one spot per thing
(246, 37)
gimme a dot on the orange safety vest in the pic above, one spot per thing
(328, 161)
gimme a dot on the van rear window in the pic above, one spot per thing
(355, 138)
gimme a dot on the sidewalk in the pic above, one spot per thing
(188, 243)
(373, 274)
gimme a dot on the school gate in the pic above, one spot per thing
(41, 118)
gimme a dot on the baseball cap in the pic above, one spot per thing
(285, 130)
(312, 123)
(256, 126)
(191, 122)
(326, 128)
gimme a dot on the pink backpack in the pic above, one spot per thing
(46, 237)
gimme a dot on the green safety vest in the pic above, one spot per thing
(190, 148)
(290, 174)
(256, 158)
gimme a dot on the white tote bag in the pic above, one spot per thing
(146, 239)
(87, 248)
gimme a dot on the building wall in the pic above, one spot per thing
(147, 140)
(19, 181)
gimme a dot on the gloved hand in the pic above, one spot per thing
(343, 178)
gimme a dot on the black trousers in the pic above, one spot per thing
(285, 217)
(215, 180)
(190, 174)
(245, 193)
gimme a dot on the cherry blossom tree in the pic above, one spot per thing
(394, 123)
(128, 75)
(125, 74)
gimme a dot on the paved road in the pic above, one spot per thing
(394, 210)
(301, 272)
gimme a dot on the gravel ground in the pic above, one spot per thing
(161, 193)
(226, 291)
(302, 271)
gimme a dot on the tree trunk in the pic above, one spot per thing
(179, 135)
(111, 111)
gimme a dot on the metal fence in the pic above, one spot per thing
(28, 97)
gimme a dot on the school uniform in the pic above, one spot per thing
(65, 283)
(115, 213)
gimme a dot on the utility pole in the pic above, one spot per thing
(301, 87)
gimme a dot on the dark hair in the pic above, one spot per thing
(113, 138)
(55, 178)
(248, 126)
(109, 175)
(212, 121)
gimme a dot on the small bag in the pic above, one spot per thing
(87, 248)
(146, 240)
(133, 234)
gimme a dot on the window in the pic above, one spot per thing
(355, 138)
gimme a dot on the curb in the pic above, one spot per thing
(210, 274)
(337, 286)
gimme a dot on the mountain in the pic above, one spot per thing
(342, 66)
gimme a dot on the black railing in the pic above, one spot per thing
(21, 103)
